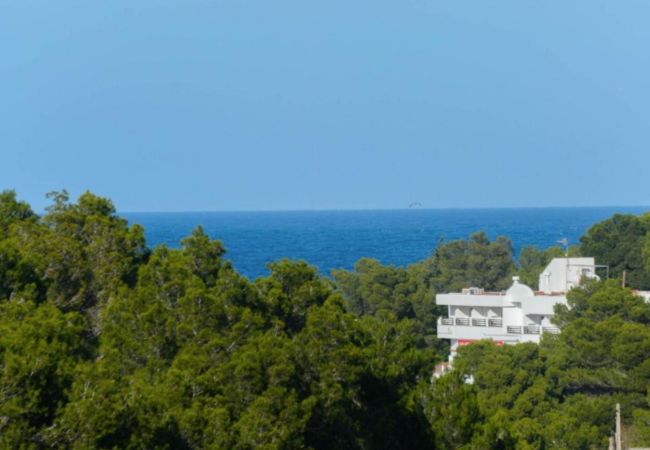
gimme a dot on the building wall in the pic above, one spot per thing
(563, 274)
(542, 304)
(512, 316)
(476, 312)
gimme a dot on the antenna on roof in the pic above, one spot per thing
(565, 242)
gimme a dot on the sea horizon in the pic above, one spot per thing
(337, 239)
(450, 208)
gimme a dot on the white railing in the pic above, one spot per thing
(475, 322)
(551, 330)
(495, 323)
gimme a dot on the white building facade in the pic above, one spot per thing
(516, 315)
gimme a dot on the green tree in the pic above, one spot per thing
(474, 262)
(13, 211)
(290, 290)
(532, 261)
(619, 242)
(373, 287)
(452, 409)
(76, 256)
(39, 349)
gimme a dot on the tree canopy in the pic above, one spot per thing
(622, 242)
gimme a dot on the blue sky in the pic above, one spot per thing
(240, 105)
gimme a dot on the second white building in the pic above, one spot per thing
(516, 315)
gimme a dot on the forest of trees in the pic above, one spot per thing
(108, 343)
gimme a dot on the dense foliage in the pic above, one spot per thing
(106, 343)
(622, 243)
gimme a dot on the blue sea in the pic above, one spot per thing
(337, 239)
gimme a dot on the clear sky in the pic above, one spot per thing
(243, 104)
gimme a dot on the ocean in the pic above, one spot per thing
(337, 239)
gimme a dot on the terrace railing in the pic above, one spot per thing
(551, 330)
(495, 323)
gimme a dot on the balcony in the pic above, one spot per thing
(475, 322)
(495, 323)
(478, 328)
(551, 330)
(531, 329)
(467, 322)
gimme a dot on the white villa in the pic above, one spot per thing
(516, 315)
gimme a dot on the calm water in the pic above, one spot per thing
(335, 239)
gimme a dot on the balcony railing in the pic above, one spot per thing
(495, 323)
(551, 330)
(475, 322)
